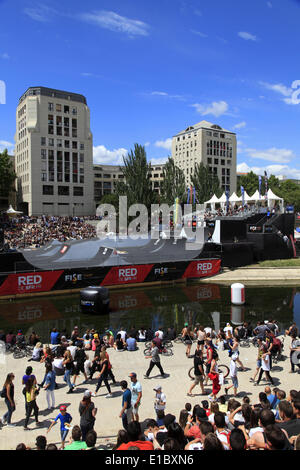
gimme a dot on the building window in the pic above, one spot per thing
(81, 157)
(50, 106)
(63, 190)
(43, 154)
(43, 140)
(74, 111)
(78, 191)
(67, 144)
(58, 108)
(66, 109)
(51, 142)
(44, 176)
(48, 190)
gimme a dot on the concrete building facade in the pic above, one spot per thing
(210, 144)
(54, 153)
(107, 176)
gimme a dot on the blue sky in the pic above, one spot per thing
(150, 69)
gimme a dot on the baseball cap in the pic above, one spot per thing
(132, 374)
(169, 419)
(158, 387)
(201, 414)
(62, 408)
(87, 393)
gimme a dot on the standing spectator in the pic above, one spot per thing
(155, 361)
(65, 420)
(69, 365)
(136, 396)
(126, 411)
(160, 399)
(50, 386)
(265, 367)
(80, 358)
(199, 373)
(31, 394)
(8, 395)
(87, 413)
(103, 376)
(233, 375)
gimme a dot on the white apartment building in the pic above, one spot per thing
(211, 144)
(54, 153)
(106, 177)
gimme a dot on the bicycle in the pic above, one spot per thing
(180, 339)
(245, 343)
(165, 343)
(22, 351)
(164, 352)
(222, 369)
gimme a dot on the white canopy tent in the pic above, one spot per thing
(234, 198)
(12, 212)
(273, 199)
(212, 201)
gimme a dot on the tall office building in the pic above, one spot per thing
(54, 153)
(210, 144)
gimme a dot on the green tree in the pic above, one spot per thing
(173, 184)
(206, 184)
(250, 183)
(137, 185)
(7, 174)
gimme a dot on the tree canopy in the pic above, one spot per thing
(206, 184)
(173, 184)
(7, 174)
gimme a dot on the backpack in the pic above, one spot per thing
(276, 344)
(3, 393)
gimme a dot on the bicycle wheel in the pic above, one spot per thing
(28, 351)
(167, 352)
(168, 344)
(148, 345)
(18, 354)
(191, 373)
(147, 352)
(178, 339)
(245, 343)
(223, 369)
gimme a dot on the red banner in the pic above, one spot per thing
(127, 274)
(25, 283)
(202, 292)
(202, 268)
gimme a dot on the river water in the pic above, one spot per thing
(207, 304)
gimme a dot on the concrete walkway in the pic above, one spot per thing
(258, 275)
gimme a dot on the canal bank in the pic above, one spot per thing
(259, 276)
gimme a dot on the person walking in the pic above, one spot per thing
(214, 376)
(31, 392)
(201, 336)
(188, 337)
(233, 375)
(234, 349)
(65, 420)
(8, 395)
(87, 411)
(155, 361)
(68, 365)
(103, 376)
(136, 396)
(126, 411)
(50, 386)
(265, 367)
(80, 358)
(260, 346)
(198, 372)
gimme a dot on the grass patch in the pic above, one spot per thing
(280, 263)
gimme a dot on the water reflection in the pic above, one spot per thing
(207, 304)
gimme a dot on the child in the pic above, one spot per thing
(65, 420)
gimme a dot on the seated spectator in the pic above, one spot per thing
(37, 353)
(136, 438)
(131, 344)
(77, 443)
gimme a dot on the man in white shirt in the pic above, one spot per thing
(160, 399)
(136, 396)
(123, 334)
(159, 333)
(233, 375)
(228, 328)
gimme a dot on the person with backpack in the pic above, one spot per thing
(87, 411)
(8, 395)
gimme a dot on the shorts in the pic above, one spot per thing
(135, 410)
(208, 366)
(63, 434)
(200, 343)
(235, 382)
(258, 363)
(79, 368)
(198, 379)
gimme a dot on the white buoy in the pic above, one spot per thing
(238, 294)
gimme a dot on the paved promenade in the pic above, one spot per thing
(108, 422)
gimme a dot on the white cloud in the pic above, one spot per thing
(291, 94)
(108, 157)
(164, 94)
(276, 170)
(273, 154)
(247, 36)
(278, 87)
(114, 22)
(240, 125)
(4, 56)
(216, 108)
(165, 144)
(199, 33)
(40, 13)
(158, 160)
